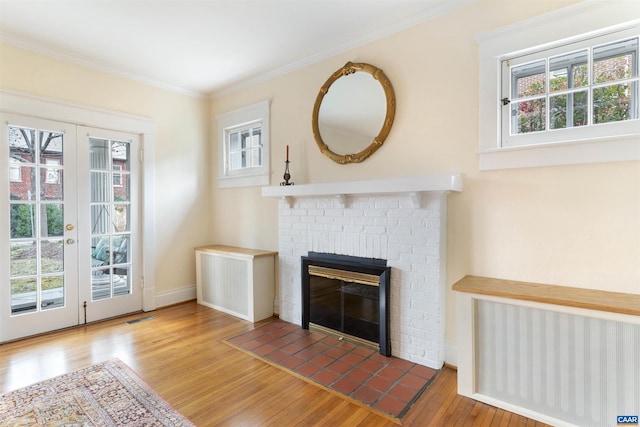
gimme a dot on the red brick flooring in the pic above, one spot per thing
(388, 384)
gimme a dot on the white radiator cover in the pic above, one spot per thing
(562, 368)
(226, 278)
(237, 281)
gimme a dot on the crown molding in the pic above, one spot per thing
(84, 61)
(439, 9)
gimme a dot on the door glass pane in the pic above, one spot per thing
(51, 217)
(100, 218)
(51, 183)
(122, 281)
(52, 292)
(24, 258)
(101, 251)
(52, 256)
(121, 190)
(99, 154)
(22, 220)
(24, 295)
(51, 144)
(120, 155)
(101, 284)
(100, 187)
(121, 249)
(121, 218)
(24, 186)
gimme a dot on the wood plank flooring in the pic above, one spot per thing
(181, 353)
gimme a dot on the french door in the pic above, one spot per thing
(68, 225)
(108, 192)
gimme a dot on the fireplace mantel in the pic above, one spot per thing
(414, 185)
(400, 220)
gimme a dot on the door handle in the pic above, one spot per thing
(70, 241)
(69, 227)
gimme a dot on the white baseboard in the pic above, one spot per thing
(176, 296)
(450, 353)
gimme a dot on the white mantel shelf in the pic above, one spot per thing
(415, 186)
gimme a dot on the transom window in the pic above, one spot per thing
(579, 85)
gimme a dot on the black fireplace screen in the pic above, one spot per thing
(349, 295)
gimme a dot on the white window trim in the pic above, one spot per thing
(594, 17)
(250, 176)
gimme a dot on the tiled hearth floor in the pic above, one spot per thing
(388, 384)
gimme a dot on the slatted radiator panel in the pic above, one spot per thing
(581, 370)
(225, 283)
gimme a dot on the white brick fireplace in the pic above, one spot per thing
(401, 220)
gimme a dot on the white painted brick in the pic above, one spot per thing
(388, 228)
(385, 221)
(411, 258)
(353, 229)
(399, 213)
(407, 239)
(376, 212)
(372, 229)
(334, 212)
(399, 231)
(410, 221)
(387, 204)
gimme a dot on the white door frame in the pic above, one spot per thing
(51, 109)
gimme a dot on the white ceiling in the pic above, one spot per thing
(205, 46)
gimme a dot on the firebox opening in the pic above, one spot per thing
(348, 297)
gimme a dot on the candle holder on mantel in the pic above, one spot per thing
(287, 175)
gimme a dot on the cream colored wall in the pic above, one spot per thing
(572, 225)
(569, 225)
(183, 185)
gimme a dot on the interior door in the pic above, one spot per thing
(108, 194)
(38, 250)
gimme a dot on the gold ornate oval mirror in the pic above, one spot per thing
(353, 113)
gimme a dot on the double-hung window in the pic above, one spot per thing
(243, 146)
(563, 88)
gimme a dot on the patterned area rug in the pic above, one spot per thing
(105, 394)
(388, 384)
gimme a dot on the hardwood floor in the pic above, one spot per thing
(181, 354)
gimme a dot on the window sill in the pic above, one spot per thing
(601, 150)
(243, 181)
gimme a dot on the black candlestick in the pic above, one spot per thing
(287, 175)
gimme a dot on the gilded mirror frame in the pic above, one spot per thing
(378, 74)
